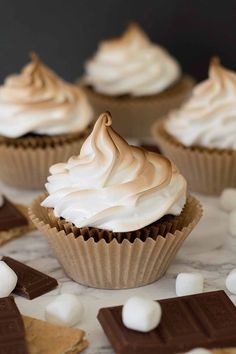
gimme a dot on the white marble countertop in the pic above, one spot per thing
(209, 250)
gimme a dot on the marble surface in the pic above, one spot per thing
(210, 250)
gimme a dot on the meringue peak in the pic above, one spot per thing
(38, 101)
(131, 64)
(105, 118)
(34, 57)
(113, 185)
(208, 117)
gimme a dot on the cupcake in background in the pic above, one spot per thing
(135, 79)
(116, 214)
(200, 137)
(43, 120)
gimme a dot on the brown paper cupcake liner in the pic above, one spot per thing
(208, 171)
(133, 116)
(25, 161)
(8, 235)
(111, 264)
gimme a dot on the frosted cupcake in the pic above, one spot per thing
(136, 80)
(116, 214)
(200, 137)
(43, 120)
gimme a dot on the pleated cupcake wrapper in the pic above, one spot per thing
(208, 171)
(113, 265)
(25, 163)
(133, 116)
(154, 230)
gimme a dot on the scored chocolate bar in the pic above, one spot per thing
(10, 216)
(12, 332)
(205, 320)
(31, 283)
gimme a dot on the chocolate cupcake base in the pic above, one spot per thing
(103, 259)
(133, 116)
(25, 161)
(208, 171)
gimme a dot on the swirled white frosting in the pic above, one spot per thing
(113, 185)
(208, 118)
(38, 101)
(132, 65)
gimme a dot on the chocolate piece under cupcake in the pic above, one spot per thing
(10, 216)
(14, 221)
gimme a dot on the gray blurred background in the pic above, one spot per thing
(66, 32)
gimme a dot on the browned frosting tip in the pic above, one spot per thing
(215, 61)
(34, 57)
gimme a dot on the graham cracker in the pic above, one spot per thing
(45, 338)
(8, 235)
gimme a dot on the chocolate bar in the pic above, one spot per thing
(205, 320)
(12, 332)
(31, 283)
(10, 216)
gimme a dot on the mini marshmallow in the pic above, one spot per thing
(8, 280)
(141, 314)
(232, 222)
(199, 351)
(231, 281)
(65, 310)
(228, 199)
(189, 284)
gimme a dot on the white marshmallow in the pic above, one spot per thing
(65, 310)
(8, 280)
(231, 281)
(199, 351)
(232, 222)
(189, 283)
(141, 314)
(228, 199)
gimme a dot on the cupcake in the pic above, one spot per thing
(43, 120)
(137, 80)
(116, 214)
(200, 137)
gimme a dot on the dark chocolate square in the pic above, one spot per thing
(10, 216)
(31, 283)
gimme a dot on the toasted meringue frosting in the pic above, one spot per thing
(113, 185)
(208, 118)
(38, 101)
(132, 65)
